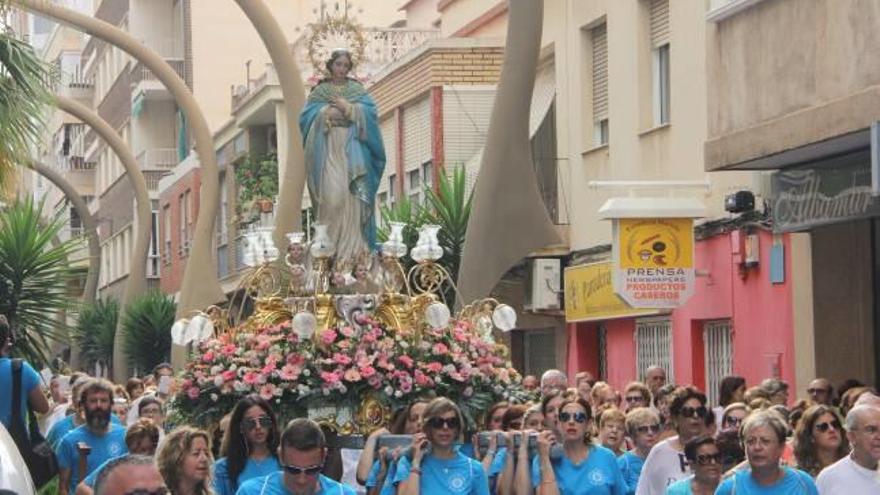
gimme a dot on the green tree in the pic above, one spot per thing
(24, 91)
(34, 277)
(95, 330)
(147, 323)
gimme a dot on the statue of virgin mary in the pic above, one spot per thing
(344, 158)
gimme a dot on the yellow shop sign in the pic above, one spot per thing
(589, 294)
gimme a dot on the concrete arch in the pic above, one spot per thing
(200, 287)
(290, 191)
(137, 275)
(90, 225)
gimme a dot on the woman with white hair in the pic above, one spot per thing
(763, 434)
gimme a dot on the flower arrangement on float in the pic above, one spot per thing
(347, 368)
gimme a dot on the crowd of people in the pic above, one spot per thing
(579, 436)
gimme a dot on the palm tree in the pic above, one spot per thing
(34, 277)
(24, 91)
(449, 207)
(95, 330)
(147, 324)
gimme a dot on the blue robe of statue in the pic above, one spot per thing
(348, 149)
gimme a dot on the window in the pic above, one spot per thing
(383, 198)
(599, 41)
(654, 346)
(660, 49)
(166, 233)
(415, 193)
(603, 352)
(392, 190)
(153, 259)
(718, 348)
(428, 174)
(539, 349)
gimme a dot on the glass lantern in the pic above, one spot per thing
(428, 246)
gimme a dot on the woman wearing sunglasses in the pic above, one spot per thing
(705, 460)
(666, 463)
(435, 466)
(585, 468)
(819, 440)
(764, 435)
(250, 445)
(643, 427)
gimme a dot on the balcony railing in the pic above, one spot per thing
(241, 93)
(140, 72)
(157, 159)
(73, 164)
(152, 178)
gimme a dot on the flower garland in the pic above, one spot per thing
(342, 366)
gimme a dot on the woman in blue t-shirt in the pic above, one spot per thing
(643, 427)
(763, 434)
(705, 460)
(250, 445)
(31, 395)
(435, 466)
(585, 468)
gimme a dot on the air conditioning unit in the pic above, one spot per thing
(543, 284)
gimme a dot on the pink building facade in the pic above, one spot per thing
(739, 321)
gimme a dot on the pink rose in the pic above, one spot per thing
(375, 381)
(250, 378)
(267, 391)
(295, 359)
(406, 361)
(268, 369)
(328, 336)
(440, 348)
(367, 371)
(290, 372)
(193, 393)
(228, 375)
(406, 387)
(347, 332)
(434, 367)
(342, 359)
(228, 349)
(330, 378)
(208, 357)
(421, 378)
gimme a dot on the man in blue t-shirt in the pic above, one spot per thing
(31, 391)
(302, 453)
(98, 439)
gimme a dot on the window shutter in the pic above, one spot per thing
(659, 23)
(600, 72)
(539, 351)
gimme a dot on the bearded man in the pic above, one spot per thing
(98, 440)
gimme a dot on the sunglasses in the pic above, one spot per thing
(264, 422)
(158, 491)
(440, 423)
(705, 459)
(308, 471)
(733, 421)
(635, 398)
(823, 427)
(694, 412)
(655, 428)
(577, 417)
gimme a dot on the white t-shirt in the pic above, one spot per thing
(663, 467)
(845, 477)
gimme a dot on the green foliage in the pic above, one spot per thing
(256, 178)
(95, 330)
(34, 276)
(147, 328)
(449, 207)
(25, 82)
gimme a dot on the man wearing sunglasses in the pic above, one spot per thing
(302, 453)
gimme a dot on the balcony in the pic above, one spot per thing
(152, 178)
(145, 84)
(241, 94)
(157, 159)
